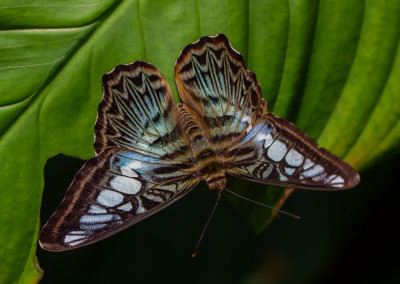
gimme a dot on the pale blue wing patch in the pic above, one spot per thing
(112, 191)
(138, 112)
(276, 152)
(213, 81)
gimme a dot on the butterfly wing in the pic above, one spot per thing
(142, 163)
(212, 81)
(276, 152)
(112, 191)
(139, 113)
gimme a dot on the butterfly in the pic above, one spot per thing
(151, 151)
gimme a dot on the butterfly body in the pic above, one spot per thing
(208, 162)
(151, 151)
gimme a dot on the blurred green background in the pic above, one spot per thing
(330, 66)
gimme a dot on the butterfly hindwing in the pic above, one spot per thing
(151, 151)
(276, 152)
(212, 80)
(112, 191)
(138, 112)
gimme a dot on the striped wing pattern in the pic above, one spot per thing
(276, 152)
(151, 151)
(142, 163)
(112, 191)
(213, 81)
(138, 112)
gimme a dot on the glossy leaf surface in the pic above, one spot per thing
(332, 67)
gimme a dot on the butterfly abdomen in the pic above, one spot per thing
(211, 168)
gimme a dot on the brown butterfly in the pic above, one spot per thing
(152, 151)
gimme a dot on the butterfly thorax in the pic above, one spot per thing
(207, 160)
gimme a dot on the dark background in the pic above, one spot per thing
(342, 237)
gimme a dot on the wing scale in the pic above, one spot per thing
(144, 159)
(139, 113)
(276, 152)
(112, 191)
(212, 80)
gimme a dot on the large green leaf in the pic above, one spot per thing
(333, 67)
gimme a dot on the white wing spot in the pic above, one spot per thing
(268, 171)
(268, 141)
(267, 138)
(140, 208)
(92, 227)
(76, 243)
(308, 164)
(249, 128)
(134, 165)
(260, 137)
(282, 177)
(337, 182)
(97, 209)
(126, 184)
(246, 118)
(319, 177)
(69, 238)
(77, 233)
(316, 170)
(331, 177)
(289, 171)
(128, 169)
(97, 218)
(294, 158)
(277, 151)
(126, 207)
(110, 198)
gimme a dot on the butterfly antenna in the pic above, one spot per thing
(205, 227)
(262, 204)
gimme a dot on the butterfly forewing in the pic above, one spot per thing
(213, 81)
(151, 151)
(143, 162)
(112, 191)
(138, 112)
(276, 152)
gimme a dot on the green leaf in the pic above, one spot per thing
(332, 67)
(370, 70)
